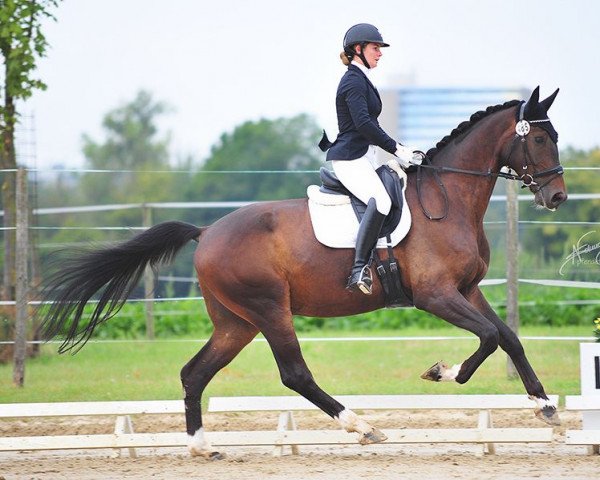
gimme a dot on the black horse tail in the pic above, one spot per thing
(111, 271)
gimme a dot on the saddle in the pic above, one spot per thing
(387, 269)
(393, 184)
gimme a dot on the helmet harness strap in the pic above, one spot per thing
(361, 55)
(351, 52)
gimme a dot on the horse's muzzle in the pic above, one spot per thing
(552, 200)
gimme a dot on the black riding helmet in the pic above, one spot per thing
(362, 34)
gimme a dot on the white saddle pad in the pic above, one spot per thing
(335, 224)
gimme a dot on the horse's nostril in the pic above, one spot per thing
(558, 198)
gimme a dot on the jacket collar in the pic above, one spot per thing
(361, 67)
(359, 70)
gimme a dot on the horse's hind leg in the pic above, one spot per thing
(277, 326)
(230, 335)
(510, 343)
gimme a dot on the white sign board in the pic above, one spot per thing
(590, 380)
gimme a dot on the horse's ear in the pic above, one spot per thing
(532, 104)
(547, 103)
(535, 97)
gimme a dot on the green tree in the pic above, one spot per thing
(133, 149)
(130, 137)
(22, 43)
(285, 144)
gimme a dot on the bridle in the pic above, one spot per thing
(522, 129)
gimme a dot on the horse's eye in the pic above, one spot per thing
(540, 139)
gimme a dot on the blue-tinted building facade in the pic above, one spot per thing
(421, 116)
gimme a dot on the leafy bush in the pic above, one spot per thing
(539, 306)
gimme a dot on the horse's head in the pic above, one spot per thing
(533, 153)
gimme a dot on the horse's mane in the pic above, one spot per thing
(463, 127)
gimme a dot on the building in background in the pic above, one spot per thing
(421, 116)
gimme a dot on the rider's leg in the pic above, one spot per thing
(360, 178)
(368, 233)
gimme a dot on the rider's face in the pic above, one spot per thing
(372, 54)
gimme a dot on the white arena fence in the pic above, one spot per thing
(284, 434)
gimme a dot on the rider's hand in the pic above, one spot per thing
(418, 157)
(404, 154)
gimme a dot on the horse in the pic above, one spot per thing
(261, 264)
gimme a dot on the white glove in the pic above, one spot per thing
(407, 157)
(404, 155)
(395, 166)
(418, 157)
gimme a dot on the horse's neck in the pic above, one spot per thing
(480, 151)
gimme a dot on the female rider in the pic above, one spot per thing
(353, 154)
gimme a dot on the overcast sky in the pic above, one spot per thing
(218, 64)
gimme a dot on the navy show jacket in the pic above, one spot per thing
(358, 106)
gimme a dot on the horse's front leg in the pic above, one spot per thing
(453, 307)
(510, 343)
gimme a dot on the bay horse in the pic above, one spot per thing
(261, 264)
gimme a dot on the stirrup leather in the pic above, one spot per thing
(362, 280)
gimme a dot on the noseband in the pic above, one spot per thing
(522, 129)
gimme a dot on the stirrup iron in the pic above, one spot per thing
(362, 280)
(365, 281)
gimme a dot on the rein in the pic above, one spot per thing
(522, 129)
(437, 169)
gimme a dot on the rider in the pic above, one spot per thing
(353, 154)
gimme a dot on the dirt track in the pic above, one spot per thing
(415, 462)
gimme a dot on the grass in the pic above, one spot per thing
(150, 370)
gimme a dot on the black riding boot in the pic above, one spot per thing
(368, 233)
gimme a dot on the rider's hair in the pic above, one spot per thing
(348, 54)
(346, 58)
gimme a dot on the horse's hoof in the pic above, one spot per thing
(208, 455)
(435, 372)
(216, 456)
(374, 436)
(549, 415)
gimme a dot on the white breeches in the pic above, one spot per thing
(360, 178)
